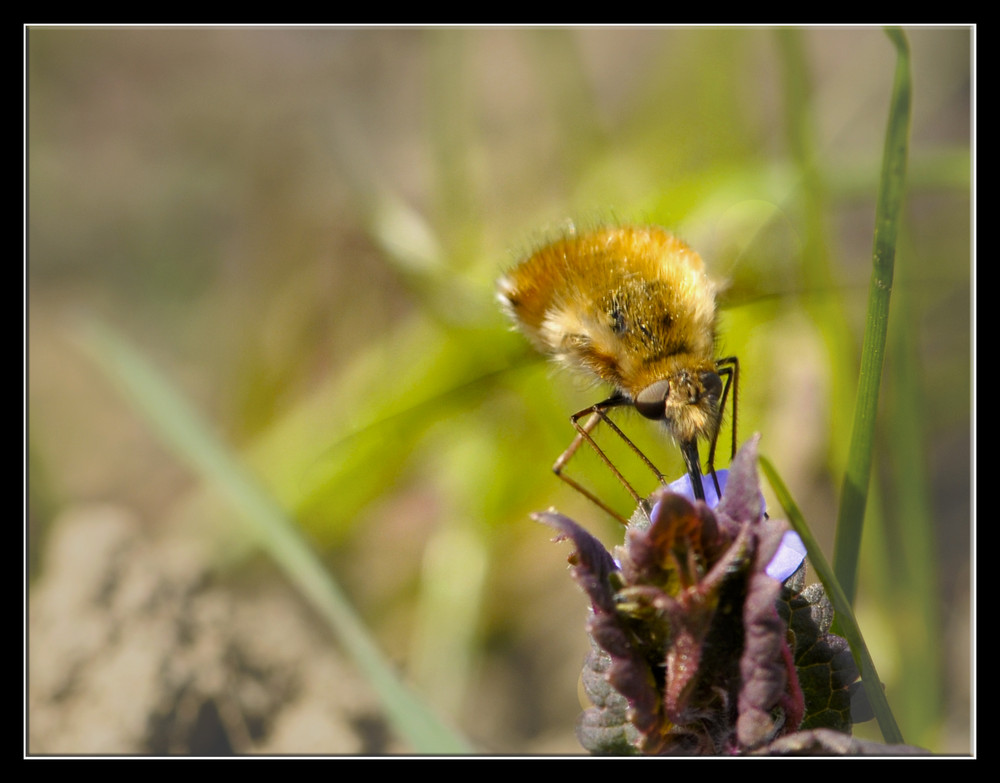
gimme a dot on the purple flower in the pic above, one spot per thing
(791, 552)
(691, 655)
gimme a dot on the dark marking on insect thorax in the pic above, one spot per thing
(636, 312)
(616, 310)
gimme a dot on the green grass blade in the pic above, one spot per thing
(183, 430)
(854, 493)
(847, 623)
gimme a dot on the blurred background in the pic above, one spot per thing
(301, 228)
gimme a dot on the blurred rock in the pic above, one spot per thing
(136, 647)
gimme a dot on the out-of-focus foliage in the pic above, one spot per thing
(303, 227)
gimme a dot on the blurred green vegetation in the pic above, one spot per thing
(302, 228)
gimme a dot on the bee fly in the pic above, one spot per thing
(634, 307)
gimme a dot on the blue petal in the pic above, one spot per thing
(683, 487)
(786, 561)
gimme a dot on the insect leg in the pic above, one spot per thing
(729, 368)
(598, 413)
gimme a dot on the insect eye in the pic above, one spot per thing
(712, 385)
(650, 402)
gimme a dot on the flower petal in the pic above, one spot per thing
(683, 487)
(788, 558)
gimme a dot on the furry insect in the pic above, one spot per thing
(634, 307)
